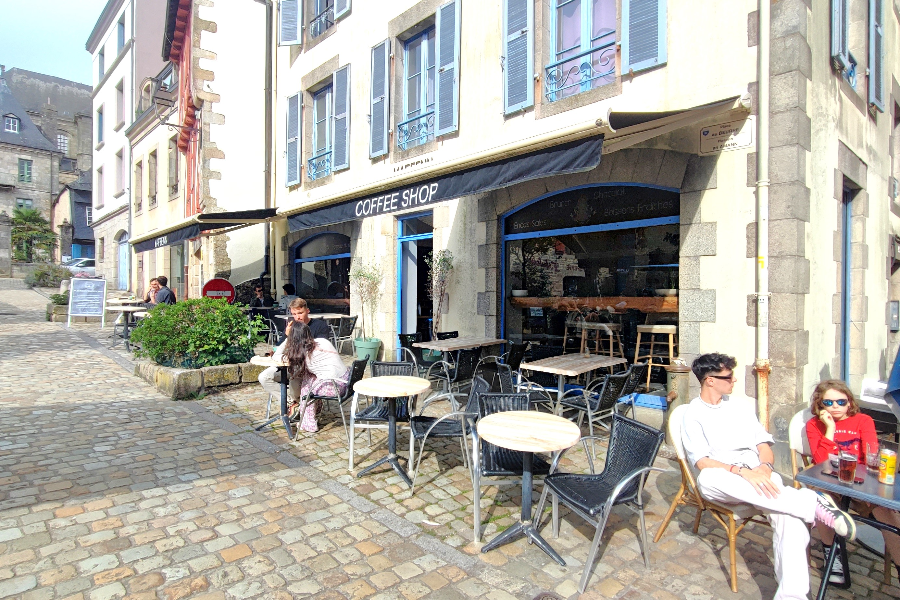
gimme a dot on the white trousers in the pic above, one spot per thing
(270, 380)
(788, 513)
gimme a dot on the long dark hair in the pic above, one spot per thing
(297, 349)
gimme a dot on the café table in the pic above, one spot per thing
(870, 491)
(570, 365)
(389, 387)
(527, 432)
(268, 361)
(327, 316)
(126, 312)
(124, 301)
(459, 343)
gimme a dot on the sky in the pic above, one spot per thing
(48, 36)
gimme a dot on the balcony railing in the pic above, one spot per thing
(581, 72)
(319, 166)
(415, 131)
(322, 22)
(151, 200)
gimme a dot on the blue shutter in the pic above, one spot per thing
(341, 7)
(447, 84)
(876, 54)
(518, 27)
(378, 111)
(340, 82)
(643, 34)
(289, 29)
(840, 24)
(292, 151)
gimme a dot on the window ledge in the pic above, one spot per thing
(119, 194)
(99, 146)
(119, 125)
(98, 207)
(174, 196)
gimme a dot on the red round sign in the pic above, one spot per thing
(219, 288)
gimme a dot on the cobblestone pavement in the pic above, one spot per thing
(108, 490)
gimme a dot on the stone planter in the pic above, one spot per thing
(57, 313)
(180, 384)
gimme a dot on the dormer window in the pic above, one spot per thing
(11, 123)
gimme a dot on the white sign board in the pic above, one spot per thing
(723, 137)
(87, 298)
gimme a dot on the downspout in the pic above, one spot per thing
(127, 196)
(762, 366)
(267, 170)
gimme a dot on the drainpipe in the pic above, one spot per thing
(762, 366)
(267, 161)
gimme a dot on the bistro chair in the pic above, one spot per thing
(636, 374)
(344, 331)
(357, 370)
(541, 387)
(457, 375)
(733, 517)
(597, 402)
(512, 358)
(417, 355)
(455, 424)
(489, 460)
(632, 449)
(375, 415)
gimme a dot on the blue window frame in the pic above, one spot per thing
(418, 91)
(414, 244)
(583, 38)
(320, 163)
(322, 270)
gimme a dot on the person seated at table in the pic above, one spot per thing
(262, 299)
(164, 295)
(290, 292)
(725, 441)
(300, 313)
(150, 296)
(313, 364)
(838, 426)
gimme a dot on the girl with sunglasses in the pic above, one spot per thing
(838, 426)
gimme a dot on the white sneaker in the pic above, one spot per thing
(828, 514)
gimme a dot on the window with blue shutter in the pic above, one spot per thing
(840, 27)
(876, 54)
(292, 150)
(378, 110)
(320, 163)
(447, 82)
(643, 35)
(341, 7)
(518, 56)
(419, 61)
(341, 86)
(289, 28)
(324, 19)
(583, 40)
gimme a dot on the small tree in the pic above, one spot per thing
(440, 266)
(31, 234)
(365, 283)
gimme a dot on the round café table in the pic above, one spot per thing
(268, 361)
(528, 432)
(126, 312)
(390, 387)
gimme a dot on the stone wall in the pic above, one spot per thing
(5, 245)
(107, 265)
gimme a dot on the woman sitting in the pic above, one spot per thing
(838, 426)
(314, 367)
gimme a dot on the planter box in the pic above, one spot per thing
(179, 384)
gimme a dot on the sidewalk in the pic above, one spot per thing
(108, 490)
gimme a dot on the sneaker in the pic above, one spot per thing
(828, 514)
(837, 572)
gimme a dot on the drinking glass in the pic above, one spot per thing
(847, 467)
(872, 457)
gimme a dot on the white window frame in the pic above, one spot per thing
(428, 54)
(328, 118)
(588, 44)
(12, 124)
(62, 143)
(89, 214)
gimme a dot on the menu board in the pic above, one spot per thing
(87, 297)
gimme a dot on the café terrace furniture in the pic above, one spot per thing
(652, 355)
(387, 388)
(357, 370)
(871, 491)
(407, 349)
(733, 517)
(126, 311)
(458, 373)
(343, 332)
(613, 333)
(455, 424)
(633, 447)
(517, 435)
(268, 361)
(512, 358)
(448, 345)
(570, 365)
(598, 401)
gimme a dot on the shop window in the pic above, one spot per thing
(418, 91)
(322, 272)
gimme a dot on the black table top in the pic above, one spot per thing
(868, 491)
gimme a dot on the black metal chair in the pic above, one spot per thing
(632, 449)
(489, 460)
(344, 331)
(488, 365)
(597, 401)
(458, 374)
(375, 415)
(541, 387)
(455, 424)
(357, 370)
(407, 350)
(636, 375)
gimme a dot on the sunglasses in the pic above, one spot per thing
(724, 377)
(841, 402)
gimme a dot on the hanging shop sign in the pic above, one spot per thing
(727, 136)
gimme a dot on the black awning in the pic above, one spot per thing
(167, 239)
(205, 222)
(571, 157)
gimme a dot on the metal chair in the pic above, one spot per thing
(455, 424)
(344, 331)
(357, 370)
(799, 443)
(636, 374)
(632, 449)
(407, 350)
(598, 403)
(458, 374)
(512, 357)
(489, 460)
(375, 415)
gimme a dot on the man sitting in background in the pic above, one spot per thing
(290, 292)
(164, 295)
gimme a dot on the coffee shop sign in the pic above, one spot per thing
(726, 136)
(407, 198)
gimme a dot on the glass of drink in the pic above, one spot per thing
(872, 462)
(847, 467)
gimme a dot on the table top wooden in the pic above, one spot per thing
(142, 314)
(266, 361)
(572, 364)
(529, 431)
(126, 308)
(459, 343)
(392, 386)
(327, 316)
(123, 301)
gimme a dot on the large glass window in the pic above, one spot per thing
(584, 47)
(322, 272)
(320, 163)
(418, 92)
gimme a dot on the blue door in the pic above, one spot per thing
(124, 256)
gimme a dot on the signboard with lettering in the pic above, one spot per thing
(87, 298)
(726, 136)
(219, 288)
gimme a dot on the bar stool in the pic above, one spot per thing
(652, 331)
(613, 332)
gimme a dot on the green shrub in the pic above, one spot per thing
(47, 275)
(60, 299)
(196, 333)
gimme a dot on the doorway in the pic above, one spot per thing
(123, 261)
(414, 246)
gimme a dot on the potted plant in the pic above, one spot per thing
(365, 283)
(440, 266)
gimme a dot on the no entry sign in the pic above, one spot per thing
(219, 288)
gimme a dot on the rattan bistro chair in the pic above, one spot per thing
(632, 449)
(733, 517)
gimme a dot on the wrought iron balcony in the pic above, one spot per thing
(415, 131)
(322, 22)
(319, 166)
(581, 72)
